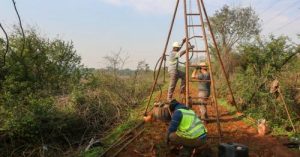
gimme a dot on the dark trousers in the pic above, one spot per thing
(188, 144)
(177, 140)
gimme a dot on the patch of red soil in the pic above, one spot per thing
(234, 130)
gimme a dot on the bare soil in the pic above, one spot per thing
(151, 142)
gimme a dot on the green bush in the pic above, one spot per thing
(50, 104)
(261, 63)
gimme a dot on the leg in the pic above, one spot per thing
(186, 151)
(197, 109)
(176, 140)
(203, 100)
(181, 75)
(172, 86)
(203, 112)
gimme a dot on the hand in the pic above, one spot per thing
(192, 47)
(147, 118)
(183, 40)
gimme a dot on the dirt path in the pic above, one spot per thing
(234, 130)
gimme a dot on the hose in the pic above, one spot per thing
(154, 71)
(154, 75)
(189, 58)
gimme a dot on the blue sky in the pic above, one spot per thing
(99, 27)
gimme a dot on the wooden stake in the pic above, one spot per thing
(286, 109)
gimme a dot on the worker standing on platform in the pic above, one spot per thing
(185, 129)
(201, 73)
(174, 71)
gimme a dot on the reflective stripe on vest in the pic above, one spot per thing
(190, 126)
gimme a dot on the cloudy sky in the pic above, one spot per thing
(139, 27)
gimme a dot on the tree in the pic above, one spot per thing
(143, 66)
(115, 61)
(46, 66)
(262, 62)
(231, 26)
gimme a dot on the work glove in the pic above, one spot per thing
(183, 40)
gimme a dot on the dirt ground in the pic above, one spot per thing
(151, 142)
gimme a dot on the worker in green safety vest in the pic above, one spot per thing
(185, 129)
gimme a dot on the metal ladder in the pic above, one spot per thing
(190, 101)
(202, 15)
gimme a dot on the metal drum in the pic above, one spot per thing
(161, 112)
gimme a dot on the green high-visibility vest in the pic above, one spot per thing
(190, 126)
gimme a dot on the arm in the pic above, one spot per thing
(194, 74)
(182, 43)
(184, 51)
(176, 118)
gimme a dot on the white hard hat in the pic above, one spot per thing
(202, 64)
(176, 44)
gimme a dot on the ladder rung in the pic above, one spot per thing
(197, 97)
(194, 66)
(194, 25)
(199, 51)
(196, 80)
(198, 103)
(193, 14)
(196, 37)
(210, 119)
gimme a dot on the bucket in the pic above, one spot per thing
(233, 150)
(161, 112)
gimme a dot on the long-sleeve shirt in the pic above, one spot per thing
(173, 60)
(176, 119)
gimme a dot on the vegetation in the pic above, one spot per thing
(261, 62)
(258, 63)
(233, 26)
(253, 62)
(49, 103)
